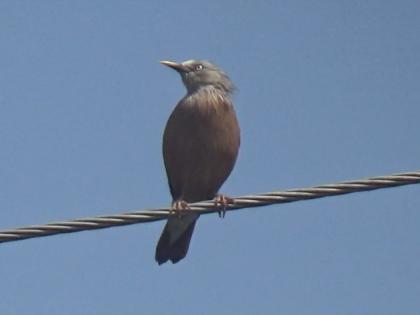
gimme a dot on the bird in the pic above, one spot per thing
(200, 146)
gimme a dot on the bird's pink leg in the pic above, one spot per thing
(223, 202)
(179, 207)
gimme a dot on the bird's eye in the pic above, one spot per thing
(199, 67)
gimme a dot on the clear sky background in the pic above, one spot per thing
(327, 91)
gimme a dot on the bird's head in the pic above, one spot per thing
(200, 73)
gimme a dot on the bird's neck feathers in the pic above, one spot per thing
(225, 87)
(208, 96)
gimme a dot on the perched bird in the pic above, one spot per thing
(200, 146)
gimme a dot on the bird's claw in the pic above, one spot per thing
(223, 202)
(178, 207)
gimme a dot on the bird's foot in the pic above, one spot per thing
(178, 207)
(223, 202)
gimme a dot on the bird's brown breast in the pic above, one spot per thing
(200, 145)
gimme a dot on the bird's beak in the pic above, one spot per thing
(176, 66)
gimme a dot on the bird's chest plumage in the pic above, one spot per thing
(205, 124)
(200, 146)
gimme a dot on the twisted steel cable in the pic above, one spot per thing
(264, 199)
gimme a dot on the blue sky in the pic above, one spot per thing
(327, 91)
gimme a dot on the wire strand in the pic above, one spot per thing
(248, 201)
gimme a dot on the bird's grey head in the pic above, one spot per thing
(197, 74)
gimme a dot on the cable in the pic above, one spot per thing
(265, 199)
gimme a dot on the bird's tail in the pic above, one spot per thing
(175, 239)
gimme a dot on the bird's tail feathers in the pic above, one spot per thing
(175, 239)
